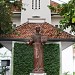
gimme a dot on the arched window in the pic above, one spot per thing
(35, 4)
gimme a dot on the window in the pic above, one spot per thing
(14, 26)
(56, 26)
(61, 27)
(39, 4)
(35, 4)
(32, 4)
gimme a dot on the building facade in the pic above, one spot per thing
(38, 12)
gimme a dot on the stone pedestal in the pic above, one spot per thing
(38, 74)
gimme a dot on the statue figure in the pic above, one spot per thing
(38, 51)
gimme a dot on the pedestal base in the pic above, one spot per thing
(38, 74)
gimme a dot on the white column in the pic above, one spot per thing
(12, 54)
(60, 46)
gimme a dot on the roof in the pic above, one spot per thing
(54, 3)
(15, 8)
(26, 30)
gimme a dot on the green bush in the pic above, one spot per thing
(23, 59)
(52, 59)
(73, 73)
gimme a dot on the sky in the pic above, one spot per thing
(61, 1)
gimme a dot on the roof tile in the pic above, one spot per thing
(54, 3)
(26, 30)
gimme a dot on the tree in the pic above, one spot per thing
(6, 14)
(67, 11)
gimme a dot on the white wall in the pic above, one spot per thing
(6, 56)
(67, 60)
(16, 20)
(55, 20)
(43, 12)
(74, 64)
(67, 54)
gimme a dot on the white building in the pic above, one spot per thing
(38, 12)
(5, 55)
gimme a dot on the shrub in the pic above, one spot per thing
(23, 59)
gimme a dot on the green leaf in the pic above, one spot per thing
(73, 20)
(67, 11)
(23, 59)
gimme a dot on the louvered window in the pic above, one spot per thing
(35, 4)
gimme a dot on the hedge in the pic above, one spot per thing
(23, 59)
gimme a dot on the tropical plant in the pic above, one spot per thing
(67, 11)
(73, 73)
(6, 14)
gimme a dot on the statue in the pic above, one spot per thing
(37, 42)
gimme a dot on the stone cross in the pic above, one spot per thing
(37, 42)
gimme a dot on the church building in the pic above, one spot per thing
(37, 14)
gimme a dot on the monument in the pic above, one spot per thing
(37, 42)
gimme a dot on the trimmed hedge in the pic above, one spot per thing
(23, 59)
(52, 59)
